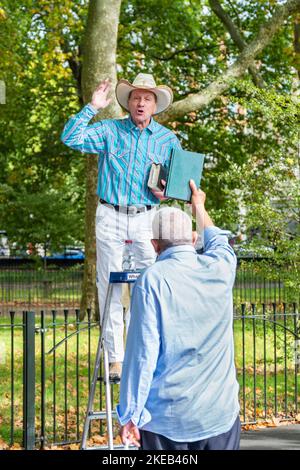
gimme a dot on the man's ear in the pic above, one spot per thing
(194, 237)
(155, 107)
(155, 244)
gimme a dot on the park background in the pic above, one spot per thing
(234, 67)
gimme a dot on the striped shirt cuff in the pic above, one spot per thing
(89, 111)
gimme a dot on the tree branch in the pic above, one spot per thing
(232, 6)
(220, 85)
(297, 43)
(75, 66)
(236, 36)
(179, 51)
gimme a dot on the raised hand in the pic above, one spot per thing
(99, 98)
(198, 196)
(203, 220)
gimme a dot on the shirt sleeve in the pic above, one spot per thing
(216, 246)
(173, 144)
(78, 135)
(176, 143)
(142, 348)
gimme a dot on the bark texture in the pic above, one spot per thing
(99, 62)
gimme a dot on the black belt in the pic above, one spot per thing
(127, 209)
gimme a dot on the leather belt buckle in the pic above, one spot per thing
(132, 210)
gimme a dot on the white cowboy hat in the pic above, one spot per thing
(144, 81)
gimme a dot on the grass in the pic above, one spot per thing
(270, 377)
(69, 401)
(70, 407)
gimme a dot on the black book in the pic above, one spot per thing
(157, 173)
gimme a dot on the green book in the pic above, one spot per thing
(183, 167)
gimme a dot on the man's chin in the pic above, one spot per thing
(141, 118)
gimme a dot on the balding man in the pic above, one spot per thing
(126, 148)
(178, 387)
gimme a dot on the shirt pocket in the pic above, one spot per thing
(156, 158)
(118, 159)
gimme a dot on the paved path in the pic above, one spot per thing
(280, 438)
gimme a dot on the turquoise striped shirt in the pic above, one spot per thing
(125, 154)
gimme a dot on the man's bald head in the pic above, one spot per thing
(172, 227)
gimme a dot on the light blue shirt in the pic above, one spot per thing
(179, 378)
(125, 154)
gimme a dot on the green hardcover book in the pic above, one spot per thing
(183, 167)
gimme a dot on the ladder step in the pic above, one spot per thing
(112, 381)
(100, 415)
(123, 277)
(116, 447)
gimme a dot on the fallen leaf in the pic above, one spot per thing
(74, 447)
(118, 440)
(99, 440)
(15, 447)
(276, 421)
(3, 445)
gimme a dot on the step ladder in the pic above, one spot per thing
(127, 277)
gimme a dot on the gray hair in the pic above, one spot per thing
(171, 227)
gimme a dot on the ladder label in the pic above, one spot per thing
(132, 276)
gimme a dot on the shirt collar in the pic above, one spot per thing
(150, 127)
(176, 249)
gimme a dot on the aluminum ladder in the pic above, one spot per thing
(127, 277)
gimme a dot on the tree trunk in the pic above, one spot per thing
(297, 44)
(99, 62)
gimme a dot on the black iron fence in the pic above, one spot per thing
(46, 365)
(23, 288)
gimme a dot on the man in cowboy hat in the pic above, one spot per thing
(126, 148)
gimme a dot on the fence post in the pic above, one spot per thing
(43, 380)
(29, 380)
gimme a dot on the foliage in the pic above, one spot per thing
(39, 181)
(249, 136)
(51, 218)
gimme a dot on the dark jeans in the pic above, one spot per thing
(229, 440)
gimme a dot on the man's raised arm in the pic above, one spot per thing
(215, 240)
(77, 134)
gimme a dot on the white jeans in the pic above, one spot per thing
(112, 229)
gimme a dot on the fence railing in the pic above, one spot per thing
(31, 289)
(46, 365)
